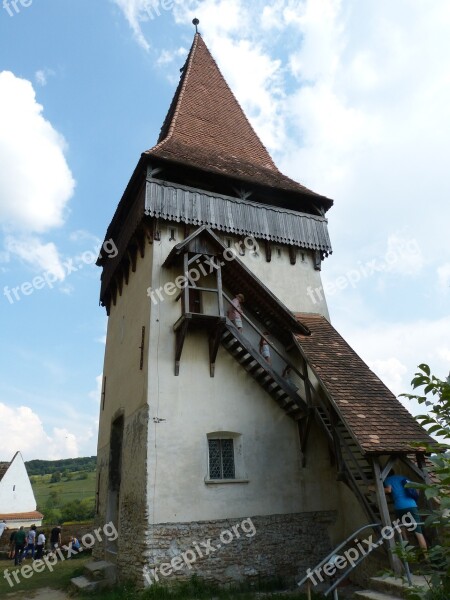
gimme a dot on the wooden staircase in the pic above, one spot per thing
(251, 360)
(354, 468)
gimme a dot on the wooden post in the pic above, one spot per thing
(394, 561)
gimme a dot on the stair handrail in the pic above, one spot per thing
(327, 559)
(259, 332)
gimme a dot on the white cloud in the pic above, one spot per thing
(41, 257)
(403, 256)
(391, 371)
(22, 429)
(42, 76)
(35, 180)
(138, 11)
(394, 350)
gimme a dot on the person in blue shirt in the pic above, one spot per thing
(404, 504)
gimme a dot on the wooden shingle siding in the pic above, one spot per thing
(177, 203)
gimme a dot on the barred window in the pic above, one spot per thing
(221, 459)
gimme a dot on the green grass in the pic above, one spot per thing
(57, 579)
(67, 490)
(195, 589)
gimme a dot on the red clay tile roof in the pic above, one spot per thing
(206, 128)
(377, 420)
(25, 516)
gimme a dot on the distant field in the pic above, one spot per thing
(76, 489)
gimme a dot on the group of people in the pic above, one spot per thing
(32, 543)
(23, 544)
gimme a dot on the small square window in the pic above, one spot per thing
(221, 459)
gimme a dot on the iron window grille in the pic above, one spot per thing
(221, 459)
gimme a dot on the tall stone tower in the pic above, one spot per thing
(269, 430)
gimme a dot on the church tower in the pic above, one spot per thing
(231, 448)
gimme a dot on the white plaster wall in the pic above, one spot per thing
(125, 382)
(188, 407)
(298, 286)
(16, 493)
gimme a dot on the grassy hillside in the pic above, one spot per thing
(66, 490)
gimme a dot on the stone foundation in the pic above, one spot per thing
(239, 549)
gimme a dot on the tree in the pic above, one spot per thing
(56, 477)
(436, 398)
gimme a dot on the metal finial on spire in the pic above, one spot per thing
(196, 22)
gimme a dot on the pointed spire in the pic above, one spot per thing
(206, 128)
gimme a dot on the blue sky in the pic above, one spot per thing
(350, 97)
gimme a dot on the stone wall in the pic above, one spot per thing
(260, 547)
(129, 550)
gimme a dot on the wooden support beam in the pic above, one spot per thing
(141, 240)
(293, 254)
(387, 467)
(214, 343)
(219, 287)
(385, 515)
(126, 270)
(113, 292)
(308, 385)
(156, 231)
(422, 468)
(180, 336)
(268, 249)
(119, 279)
(141, 348)
(304, 428)
(132, 256)
(317, 260)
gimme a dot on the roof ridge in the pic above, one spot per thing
(179, 96)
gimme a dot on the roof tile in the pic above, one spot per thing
(377, 420)
(206, 128)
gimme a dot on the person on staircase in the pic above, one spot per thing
(235, 312)
(264, 347)
(404, 503)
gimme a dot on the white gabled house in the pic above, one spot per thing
(17, 501)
